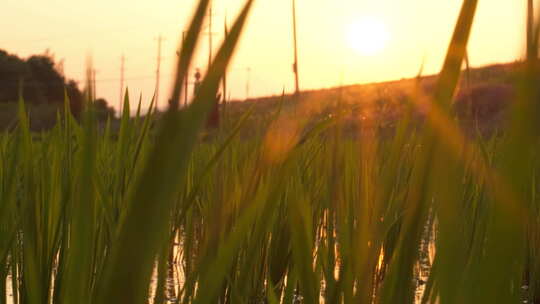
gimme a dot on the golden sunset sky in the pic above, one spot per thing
(330, 55)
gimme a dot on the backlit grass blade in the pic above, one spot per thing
(82, 211)
(506, 231)
(212, 163)
(152, 195)
(419, 199)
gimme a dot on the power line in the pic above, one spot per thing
(115, 79)
(71, 35)
(52, 83)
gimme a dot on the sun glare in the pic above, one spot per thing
(368, 36)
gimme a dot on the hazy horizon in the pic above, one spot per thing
(330, 53)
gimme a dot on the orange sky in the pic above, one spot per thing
(418, 30)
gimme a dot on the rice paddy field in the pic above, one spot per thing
(160, 211)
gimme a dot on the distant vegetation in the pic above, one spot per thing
(481, 100)
(44, 88)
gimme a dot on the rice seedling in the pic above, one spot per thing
(298, 213)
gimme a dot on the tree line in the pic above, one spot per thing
(40, 82)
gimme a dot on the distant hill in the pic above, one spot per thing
(481, 99)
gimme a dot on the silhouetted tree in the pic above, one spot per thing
(39, 82)
(13, 71)
(45, 79)
(103, 110)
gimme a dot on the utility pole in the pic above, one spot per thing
(158, 69)
(121, 99)
(295, 65)
(248, 76)
(94, 93)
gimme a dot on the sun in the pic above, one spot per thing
(369, 36)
